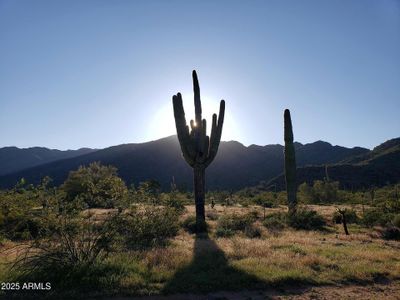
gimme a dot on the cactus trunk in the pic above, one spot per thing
(290, 164)
(199, 193)
(198, 149)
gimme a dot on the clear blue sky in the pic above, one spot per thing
(99, 73)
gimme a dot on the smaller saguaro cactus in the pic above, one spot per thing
(326, 174)
(290, 164)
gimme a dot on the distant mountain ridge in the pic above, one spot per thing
(236, 166)
(378, 167)
(13, 159)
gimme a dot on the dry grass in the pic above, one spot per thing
(191, 264)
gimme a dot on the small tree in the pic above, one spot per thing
(95, 185)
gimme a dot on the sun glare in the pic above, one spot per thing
(163, 123)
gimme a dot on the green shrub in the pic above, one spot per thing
(96, 185)
(73, 258)
(149, 227)
(224, 232)
(351, 217)
(76, 242)
(189, 224)
(24, 224)
(275, 221)
(373, 217)
(175, 203)
(306, 219)
(230, 223)
(20, 226)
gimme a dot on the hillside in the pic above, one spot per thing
(13, 159)
(236, 166)
(378, 167)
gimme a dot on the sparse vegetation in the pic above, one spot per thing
(228, 224)
(275, 221)
(147, 227)
(139, 248)
(306, 219)
(191, 226)
(351, 217)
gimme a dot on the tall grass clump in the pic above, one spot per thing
(70, 256)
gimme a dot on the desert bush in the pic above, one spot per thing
(275, 221)
(265, 199)
(375, 216)
(224, 232)
(21, 217)
(148, 227)
(72, 258)
(75, 242)
(175, 203)
(320, 192)
(306, 219)
(350, 214)
(189, 224)
(233, 222)
(18, 225)
(149, 192)
(96, 185)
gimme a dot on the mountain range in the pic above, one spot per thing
(375, 168)
(235, 167)
(13, 159)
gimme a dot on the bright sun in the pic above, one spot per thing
(163, 123)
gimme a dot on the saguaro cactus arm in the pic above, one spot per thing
(182, 130)
(216, 132)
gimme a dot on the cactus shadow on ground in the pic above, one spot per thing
(209, 271)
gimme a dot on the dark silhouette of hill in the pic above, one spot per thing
(378, 167)
(236, 166)
(13, 159)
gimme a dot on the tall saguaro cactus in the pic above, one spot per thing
(198, 149)
(290, 164)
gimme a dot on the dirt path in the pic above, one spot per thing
(386, 291)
